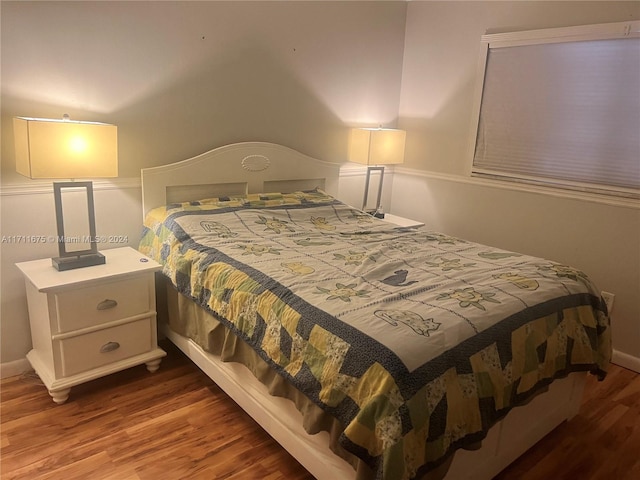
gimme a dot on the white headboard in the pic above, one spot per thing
(239, 168)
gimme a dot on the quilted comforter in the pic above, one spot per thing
(417, 342)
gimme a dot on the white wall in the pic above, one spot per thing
(439, 74)
(180, 78)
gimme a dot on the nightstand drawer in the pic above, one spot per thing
(89, 306)
(103, 347)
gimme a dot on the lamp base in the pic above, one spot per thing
(375, 213)
(69, 263)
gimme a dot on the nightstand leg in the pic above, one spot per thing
(153, 365)
(60, 396)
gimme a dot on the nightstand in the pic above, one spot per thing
(89, 322)
(401, 221)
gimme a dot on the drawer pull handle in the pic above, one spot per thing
(109, 347)
(107, 304)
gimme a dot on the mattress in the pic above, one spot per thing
(415, 341)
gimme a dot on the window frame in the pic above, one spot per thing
(619, 30)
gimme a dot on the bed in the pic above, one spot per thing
(406, 353)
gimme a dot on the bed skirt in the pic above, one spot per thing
(191, 321)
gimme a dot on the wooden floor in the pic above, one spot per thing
(176, 424)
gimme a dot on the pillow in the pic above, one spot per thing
(256, 200)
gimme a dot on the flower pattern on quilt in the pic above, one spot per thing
(343, 292)
(469, 297)
(450, 264)
(275, 224)
(354, 258)
(258, 250)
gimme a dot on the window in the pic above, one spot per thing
(561, 107)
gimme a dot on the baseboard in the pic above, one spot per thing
(625, 360)
(17, 367)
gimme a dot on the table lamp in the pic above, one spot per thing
(376, 147)
(49, 148)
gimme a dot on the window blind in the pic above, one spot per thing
(563, 113)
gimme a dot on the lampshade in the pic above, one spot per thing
(377, 146)
(47, 148)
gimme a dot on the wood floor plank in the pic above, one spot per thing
(177, 424)
(602, 442)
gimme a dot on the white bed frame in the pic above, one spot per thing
(255, 167)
